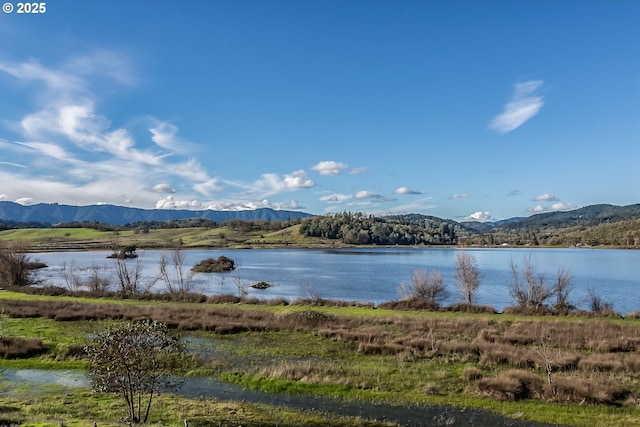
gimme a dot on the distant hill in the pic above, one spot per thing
(585, 217)
(594, 225)
(53, 213)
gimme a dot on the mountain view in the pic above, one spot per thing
(590, 226)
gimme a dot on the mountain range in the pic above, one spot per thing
(42, 214)
(54, 213)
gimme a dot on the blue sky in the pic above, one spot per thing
(458, 109)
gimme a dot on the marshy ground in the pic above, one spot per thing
(575, 371)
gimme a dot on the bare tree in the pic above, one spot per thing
(532, 292)
(15, 265)
(427, 286)
(562, 288)
(129, 275)
(597, 304)
(70, 276)
(96, 283)
(241, 286)
(177, 281)
(467, 275)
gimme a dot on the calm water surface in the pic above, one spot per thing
(374, 275)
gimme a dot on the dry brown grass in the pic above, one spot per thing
(602, 362)
(578, 390)
(17, 347)
(514, 384)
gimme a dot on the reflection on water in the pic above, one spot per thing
(33, 378)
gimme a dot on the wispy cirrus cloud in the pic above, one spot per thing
(65, 149)
(523, 106)
(460, 196)
(165, 135)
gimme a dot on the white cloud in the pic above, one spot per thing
(298, 179)
(358, 171)
(335, 198)
(406, 190)
(25, 201)
(163, 188)
(367, 195)
(554, 207)
(522, 107)
(537, 209)
(329, 167)
(171, 202)
(480, 217)
(546, 198)
(563, 206)
(459, 196)
(288, 206)
(3, 197)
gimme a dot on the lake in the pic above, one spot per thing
(374, 275)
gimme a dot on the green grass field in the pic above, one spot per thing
(194, 237)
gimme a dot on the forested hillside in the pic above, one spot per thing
(360, 229)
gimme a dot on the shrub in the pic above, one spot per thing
(471, 308)
(425, 286)
(308, 318)
(408, 304)
(212, 265)
(512, 385)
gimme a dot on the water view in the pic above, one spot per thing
(374, 275)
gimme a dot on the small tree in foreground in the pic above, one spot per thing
(136, 361)
(468, 276)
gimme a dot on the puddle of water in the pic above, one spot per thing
(63, 378)
(411, 415)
